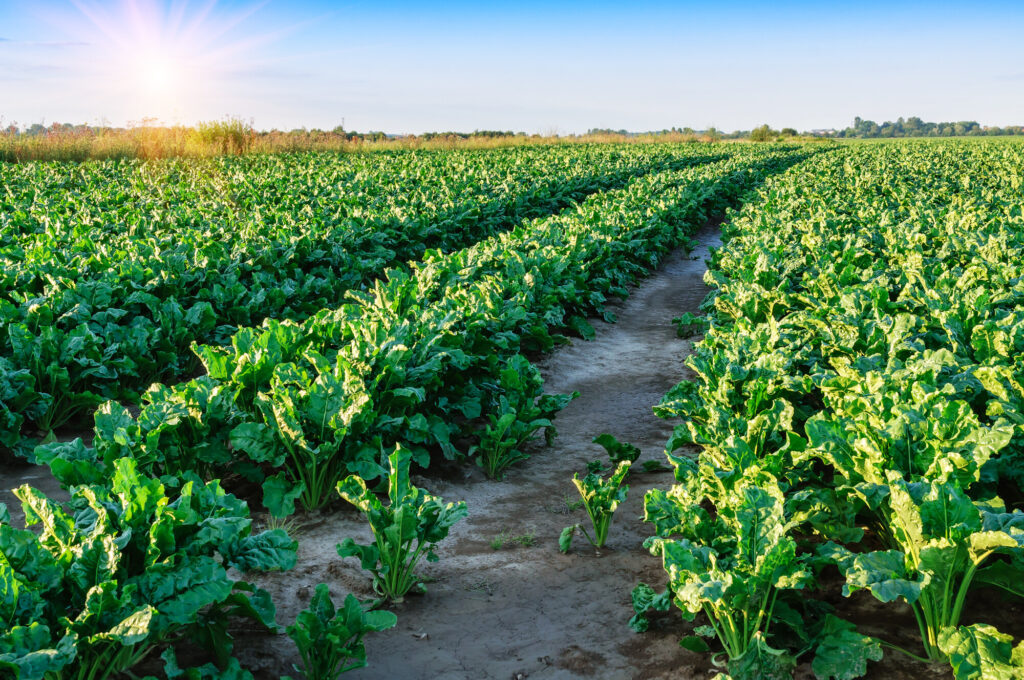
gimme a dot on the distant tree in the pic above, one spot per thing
(789, 132)
(762, 134)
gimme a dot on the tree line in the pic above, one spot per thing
(915, 127)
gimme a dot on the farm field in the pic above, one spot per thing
(227, 381)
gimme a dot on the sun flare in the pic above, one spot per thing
(158, 75)
(164, 59)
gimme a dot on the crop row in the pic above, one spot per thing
(111, 270)
(859, 408)
(430, 358)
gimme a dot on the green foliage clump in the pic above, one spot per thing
(122, 569)
(408, 528)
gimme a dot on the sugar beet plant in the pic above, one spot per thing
(864, 353)
(405, 530)
(601, 498)
(724, 541)
(942, 541)
(121, 570)
(329, 639)
(519, 414)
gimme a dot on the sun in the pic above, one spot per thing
(166, 58)
(158, 75)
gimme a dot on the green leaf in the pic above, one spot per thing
(256, 440)
(26, 651)
(843, 653)
(565, 538)
(268, 551)
(883, 573)
(645, 600)
(280, 494)
(617, 450)
(762, 662)
(981, 651)
(1009, 577)
(694, 644)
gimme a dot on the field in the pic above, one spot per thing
(495, 400)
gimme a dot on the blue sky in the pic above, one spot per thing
(531, 66)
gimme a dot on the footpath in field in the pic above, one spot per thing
(528, 610)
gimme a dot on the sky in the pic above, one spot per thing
(544, 67)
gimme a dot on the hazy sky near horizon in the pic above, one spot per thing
(406, 67)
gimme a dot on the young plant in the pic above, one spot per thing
(601, 498)
(617, 451)
(330, 641)
(520, 410)
(406, 529)
(508, 538)
(689, 324)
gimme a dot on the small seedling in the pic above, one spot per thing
(690, 324)
(481, 587)
(567, 507)
(617, 451)
(289, 525)
(601, 498)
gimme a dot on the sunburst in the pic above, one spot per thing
(165, 58)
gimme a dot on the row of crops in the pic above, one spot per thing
(111, 271)
(859, 411)
(424, 360)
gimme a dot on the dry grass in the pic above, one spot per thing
(235, 137)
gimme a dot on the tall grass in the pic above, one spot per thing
(234, 136)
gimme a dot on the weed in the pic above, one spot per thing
(505, 538)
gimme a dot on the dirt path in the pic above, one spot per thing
(529, 611)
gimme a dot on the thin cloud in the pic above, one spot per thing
(268, 73)
(46, 43)
(30, 72)
(57, 43)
